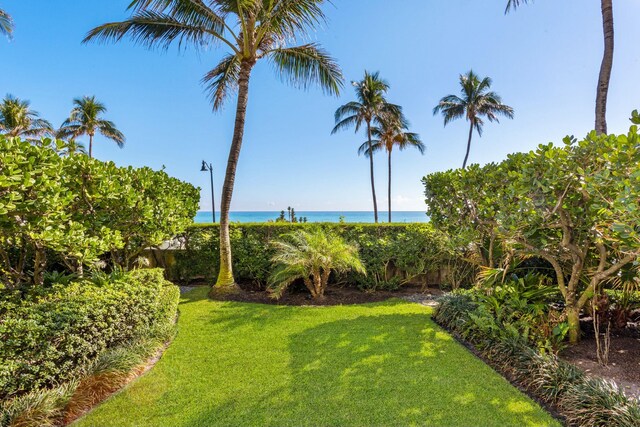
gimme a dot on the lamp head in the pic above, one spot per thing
(204, 167)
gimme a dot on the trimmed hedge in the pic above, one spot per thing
(51, 335)
(582, 400)
(392, 253)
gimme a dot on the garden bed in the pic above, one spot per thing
(334, 295)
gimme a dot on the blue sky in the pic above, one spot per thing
(544, 60)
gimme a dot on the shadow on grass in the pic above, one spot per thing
(379, 369)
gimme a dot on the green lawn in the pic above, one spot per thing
(238, 364)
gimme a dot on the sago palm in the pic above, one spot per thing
(311, 256)
(604, 78)
(476, 102)
(250, 31)
(6, 24)
(86, 119)
(17, 119)
(392, 133)
(370, 107)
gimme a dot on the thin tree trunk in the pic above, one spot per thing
(225, 276)
(373, 184)
(466, 157)
(90, 146)
(389, 189)
(605, 70)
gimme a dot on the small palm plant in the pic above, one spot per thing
(311, 256)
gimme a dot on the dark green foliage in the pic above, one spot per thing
(581, 399)
(392, 254)
(51, 335)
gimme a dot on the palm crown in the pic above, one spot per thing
(249, 29)
(18, 119)
(476, 101)
(86, 119)
(391, 133)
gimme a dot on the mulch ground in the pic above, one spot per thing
(624, 361)
(333, 296)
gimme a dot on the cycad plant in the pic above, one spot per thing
(476, 102)
(369, 109)
(393, 132)
(86, 119)
(18, 119)
(311, 256)
(250, 31)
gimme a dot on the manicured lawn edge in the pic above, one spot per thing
(552, 409)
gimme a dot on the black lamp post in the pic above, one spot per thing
(209, 167)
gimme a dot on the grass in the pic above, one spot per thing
(378, 364)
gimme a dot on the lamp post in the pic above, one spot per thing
(209, 167)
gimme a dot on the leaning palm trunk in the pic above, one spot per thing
(605, 70)
(389, 189)
(373, 183)
(466, 157)
(226, 281)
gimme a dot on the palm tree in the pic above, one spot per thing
(250, 30)
(6, 24)
(604, 79)
(311, 256)
(17, 119)
(85, 119)
(393, 132)
(477, 101)
(368, 110)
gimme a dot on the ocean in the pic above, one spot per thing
(317, 216)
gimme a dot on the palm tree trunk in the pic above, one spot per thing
(226, 281)
(373, 184)
(605, 69)
(389, 190)
(90, 146)
(466, 158)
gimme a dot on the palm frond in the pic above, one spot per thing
(222, 81)
(514, 4)
(6, 24)
(308, 64)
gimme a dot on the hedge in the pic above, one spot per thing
(392, 253)
(582, 400)
(50, 336)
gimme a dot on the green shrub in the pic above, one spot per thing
(584, 401)
(51, 335)
(392, 254)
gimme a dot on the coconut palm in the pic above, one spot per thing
(392, 133)
(6, 24)
(86, 119)
(17, 119)
(250, 31)
(604, 78)
(477, 102)
(368, 110)
(311, 256)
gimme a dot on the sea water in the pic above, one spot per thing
(318, 216)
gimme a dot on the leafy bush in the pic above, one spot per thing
(51, 335)
(582, 400)
(77, 209)
(391, 254)
(311, 256)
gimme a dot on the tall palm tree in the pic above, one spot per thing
(250, 31)
(6, 24)
(393, 132)
(17, 119)
(476, 102)
(370, 107)
(604, 78)
(85, 119)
